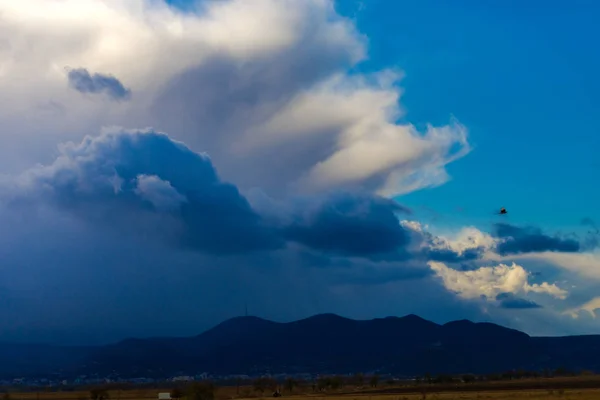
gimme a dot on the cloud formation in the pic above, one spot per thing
(120, 174)
(592, 238)
(125, 174)
(589, 307)
(144, 186)
(529, 239)
(273, 183)
(491, 282)
(469, 244)
(358, 225)
(509, 300)
(82, 81)
(160, 193)
(239, 90)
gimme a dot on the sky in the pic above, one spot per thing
(163, 165)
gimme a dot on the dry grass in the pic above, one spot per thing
(538, 389)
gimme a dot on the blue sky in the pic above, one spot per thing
(251, 152)
(522, 78)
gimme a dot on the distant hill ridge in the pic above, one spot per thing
(324, 343)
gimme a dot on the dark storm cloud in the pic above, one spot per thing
(451, 256)
(118, 213)
(360, 271)
(509, 300)
(529, 239)
(351, 225)
(81, 80)
(144, 176)
(382, 273)
(146, 183)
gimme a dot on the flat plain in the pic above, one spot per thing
(570, 394)
(577, 388)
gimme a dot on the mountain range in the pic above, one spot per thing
(325, 343)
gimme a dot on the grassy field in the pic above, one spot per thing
(578, 388)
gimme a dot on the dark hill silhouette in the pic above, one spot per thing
(325, 343)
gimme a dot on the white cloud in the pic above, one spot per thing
(590, 307)
(159, 192)
(586, 265)
(460, 242)
(466, 238)
(492, 281)
(273, 71)
(414, 225)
